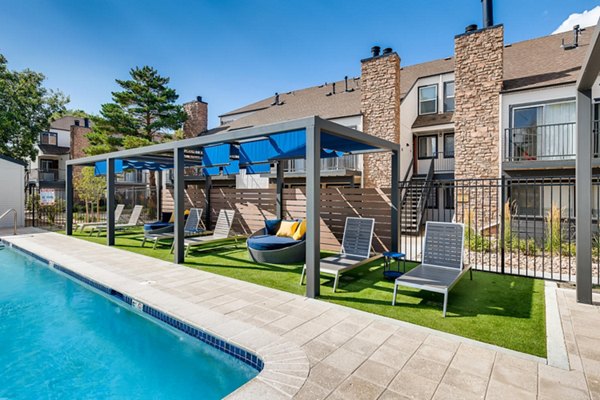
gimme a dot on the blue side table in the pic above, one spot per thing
(388, 259)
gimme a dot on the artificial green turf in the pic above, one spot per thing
(504, 310)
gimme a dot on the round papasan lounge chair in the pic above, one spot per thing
(266, 247)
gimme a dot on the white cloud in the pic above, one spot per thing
(586, 18)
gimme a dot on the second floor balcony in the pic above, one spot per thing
(47, 175)
(543, 142)
(348, 162)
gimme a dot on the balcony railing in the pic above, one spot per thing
(347, 162)
(442, 164)
(539, 143)
(47, 175)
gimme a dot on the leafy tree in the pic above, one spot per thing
(90, 188)
(26, 107)
(144, 108)
(69, 113)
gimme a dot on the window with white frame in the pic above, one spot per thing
(49, 138)
(448, 96)
(427, 147)
(428, 98)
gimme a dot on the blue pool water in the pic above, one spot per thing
(60, 340)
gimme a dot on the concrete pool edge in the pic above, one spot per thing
(285, 365)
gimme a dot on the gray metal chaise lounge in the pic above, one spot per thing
(221, 232)
(191, 228)
(442, 265)
(134, 218)
(118, 211)
(356, 249)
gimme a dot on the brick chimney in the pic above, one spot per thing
(380, 108)
(79, 141)
(197, 122)
(478, 74)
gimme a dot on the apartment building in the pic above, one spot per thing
(65, 139)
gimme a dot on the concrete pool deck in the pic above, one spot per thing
(313, 349)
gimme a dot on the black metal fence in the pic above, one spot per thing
(523, 226)
(46, 207)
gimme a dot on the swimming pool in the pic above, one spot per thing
(60, 339)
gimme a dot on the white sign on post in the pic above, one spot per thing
(47, 197)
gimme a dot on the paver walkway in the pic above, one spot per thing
(314, 349)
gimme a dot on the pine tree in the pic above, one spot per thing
(138, 115)
(140, 112)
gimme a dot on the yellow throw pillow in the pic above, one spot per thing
(287, 228)
(172, 220)
(300, 231)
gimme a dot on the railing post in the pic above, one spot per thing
(110, 202)
(69, 196)
(502, 221)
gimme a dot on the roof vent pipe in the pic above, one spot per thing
(387, 50)
(488, 13)
(199, 99)
(276, 102)
(375, 51)
(333, 86)
(471, 28)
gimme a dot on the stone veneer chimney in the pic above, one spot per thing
(197, 122)
(380, 107)
(78, 142)
(478, 75)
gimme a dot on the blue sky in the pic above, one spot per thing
(236, 52)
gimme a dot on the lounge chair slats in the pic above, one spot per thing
(191, 227)
(221, 232)
(134, 219)
(118, 211)
(355, 251)
(442, 265)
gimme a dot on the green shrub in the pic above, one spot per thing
(553, 230)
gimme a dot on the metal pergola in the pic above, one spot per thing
(185, 152)
(583, 169)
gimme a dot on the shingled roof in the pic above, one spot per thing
(529, 64)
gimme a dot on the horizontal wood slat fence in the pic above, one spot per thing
(253, 206)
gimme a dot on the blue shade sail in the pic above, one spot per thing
(258, 169)
(211, 171)
(263, 150)
(122, 165)
(329, 141)
(100, 167)
(232, 169)
(218, 155)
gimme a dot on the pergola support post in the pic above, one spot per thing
(207, 205)
(110, 201)
(179, 204)
(159, 185)
(395, 245)
(279, 189)
(69, 199)
(313, 194)
(583, 197)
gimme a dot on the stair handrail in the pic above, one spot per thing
(425, 193)
(405, 183)
(15, 218)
